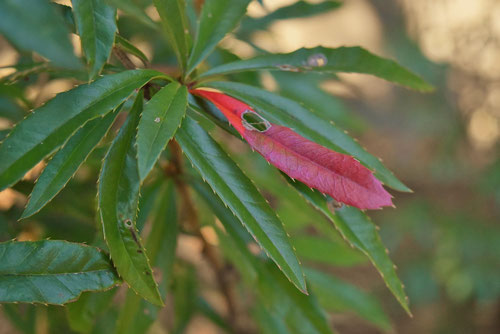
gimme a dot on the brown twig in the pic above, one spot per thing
(224, 281)
(198, 4)
(123, 58)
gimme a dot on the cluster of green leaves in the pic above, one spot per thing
(81, 122)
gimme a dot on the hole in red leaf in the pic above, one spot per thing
(254, 122)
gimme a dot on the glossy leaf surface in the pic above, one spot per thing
(357, 229)
(333, 173)
(137, 315)
(241, 196)
(277, 296)
(48, 127)
(160, 119)
(285, 112)
(118, 196)
(320, 59)
(66, 162)
(52, 272)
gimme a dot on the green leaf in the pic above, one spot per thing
(96, 25)
(176, 26)
(337, 295)
(298, 9)
(48, 127)
(320, 59)
(66, 162)
(118, 197)
(240, 194)
(160, 119)
(3, 134)
(51, 272)
(82, 314)
(357, 229)
(128, 47)
(278, 296)
(21, 22)
(283, 111)
(137, 315)
(218, 17)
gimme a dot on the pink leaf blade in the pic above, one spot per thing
(336, 174)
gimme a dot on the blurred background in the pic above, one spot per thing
(444, 237)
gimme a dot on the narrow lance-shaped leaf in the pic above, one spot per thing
(118, 196)
(21, 22)
(357, 229)
(160, 119)
(320, 59)
(66, 162)
(137, 315)
(52, 272)
(333, 173)
(96, 25)
(285, 112)
(48, 127)
(218, 17)
(279, 298)
(176, 26)
(241, 196)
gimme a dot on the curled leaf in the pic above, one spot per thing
(336, 174)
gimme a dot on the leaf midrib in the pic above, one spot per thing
(64, 165)
(83, 110)
(343, 178)
(115, 217)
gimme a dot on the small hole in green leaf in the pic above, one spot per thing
(254, 122)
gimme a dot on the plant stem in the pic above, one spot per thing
(123, 58)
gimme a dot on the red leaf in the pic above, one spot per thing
(336, 174)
